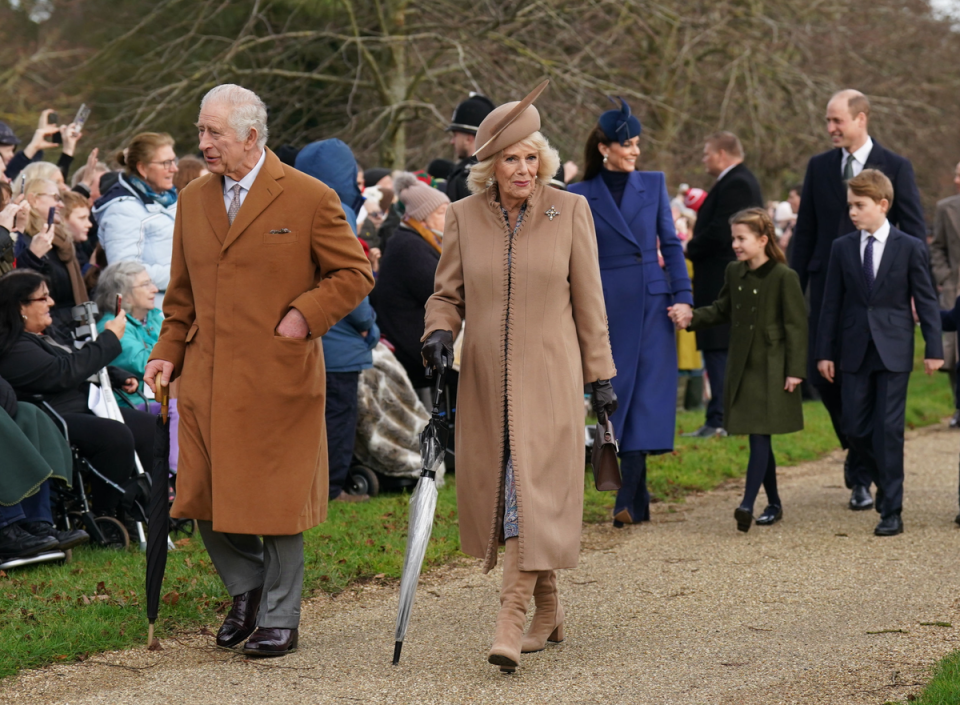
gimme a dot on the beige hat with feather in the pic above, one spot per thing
(508, 124)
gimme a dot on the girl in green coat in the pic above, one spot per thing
(767, 358)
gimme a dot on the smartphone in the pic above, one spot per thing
(51, 214)
(53, 119)
(119, 305)
(82, 114)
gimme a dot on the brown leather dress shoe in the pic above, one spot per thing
(241, 621)
(272, 641)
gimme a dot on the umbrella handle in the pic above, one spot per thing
(163, 396)
(438, 387)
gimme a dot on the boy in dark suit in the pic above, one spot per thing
(873, 274)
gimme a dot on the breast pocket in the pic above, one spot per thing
(280, 236)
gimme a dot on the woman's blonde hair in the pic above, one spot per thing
(483, 175)
(141, 150)
(39, 171)
(758, 220)
(38, 220)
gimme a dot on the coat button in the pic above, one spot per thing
(754, 308)
(639, 258)
(738, 305)
(739, 288)
(754, 291)
(751, 327)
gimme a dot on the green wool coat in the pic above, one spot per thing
(768, 343)
(33, 451)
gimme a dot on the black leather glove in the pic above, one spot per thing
(604, 399)
(437, 352)
(8, 398)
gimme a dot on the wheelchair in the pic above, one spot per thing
(71, 505)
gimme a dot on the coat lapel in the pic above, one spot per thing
(263, 192)
(603, 205)
(214, 207)
(890, 252)
(836, 175)
(633, 200)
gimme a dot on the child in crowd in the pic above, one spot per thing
(767, 361)
(873, 275)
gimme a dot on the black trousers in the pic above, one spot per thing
(715, 361)
(341, 415)
(855, 470)
(874, 407)
(109, 446)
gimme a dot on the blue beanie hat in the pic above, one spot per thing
(620, 125)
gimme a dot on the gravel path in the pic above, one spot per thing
(683, 610)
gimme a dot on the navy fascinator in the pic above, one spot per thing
(620, 125)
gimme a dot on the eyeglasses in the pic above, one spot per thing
(55, 196)
(149, 282)
(167, 164)
(45, 297)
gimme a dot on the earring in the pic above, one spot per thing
(23, 317)
(604, 160)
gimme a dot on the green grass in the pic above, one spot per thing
(50, 614)
(944, 689)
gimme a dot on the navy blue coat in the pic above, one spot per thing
(824, 216)
(852, 316)
(637, 293)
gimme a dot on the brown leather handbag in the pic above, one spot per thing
(606, 469)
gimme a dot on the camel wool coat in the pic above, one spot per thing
(536, 330)
(253, 452)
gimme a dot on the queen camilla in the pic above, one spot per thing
(520, 263)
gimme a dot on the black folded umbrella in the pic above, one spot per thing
(158, 520)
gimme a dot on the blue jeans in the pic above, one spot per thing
(35, 508)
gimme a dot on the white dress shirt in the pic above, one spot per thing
(880, 240)
(726, 171)
(245, 183)
(859, 158)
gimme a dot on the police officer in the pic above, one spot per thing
(463, 129)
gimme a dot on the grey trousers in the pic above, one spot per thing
(244, 563)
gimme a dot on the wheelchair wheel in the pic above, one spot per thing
(362, 480)
(114, 533)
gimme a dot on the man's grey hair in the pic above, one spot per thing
(118, 278)
(247, 111)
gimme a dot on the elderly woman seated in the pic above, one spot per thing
(35, 364)
(33, 453)
(130, 281)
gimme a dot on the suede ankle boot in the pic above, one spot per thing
(515, 596)
(547, 624)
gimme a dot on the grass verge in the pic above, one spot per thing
(51, 614)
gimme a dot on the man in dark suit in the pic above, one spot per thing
(873, 274)
(710, 250)
(463, 131)
(823, 217)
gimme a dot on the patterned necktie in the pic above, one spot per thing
(234, 204)
(848, 168)
(868, 274)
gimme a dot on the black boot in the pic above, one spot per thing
(65, 539)
(17, 543)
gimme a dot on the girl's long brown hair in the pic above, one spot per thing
(759, 222)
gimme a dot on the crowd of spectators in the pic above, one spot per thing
(108, 236)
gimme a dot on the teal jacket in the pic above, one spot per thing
(137, 344)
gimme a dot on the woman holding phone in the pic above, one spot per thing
(47, 247)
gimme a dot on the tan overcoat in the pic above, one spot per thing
(253, 450)
(536, 331)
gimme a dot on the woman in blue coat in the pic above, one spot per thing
(631, 212)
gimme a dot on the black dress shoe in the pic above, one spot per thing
(744, 519)
(241, 621)
(891, 526)
(17, 543)
(860, 498)
(272, 641)
(66, 539)
(771, 515)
